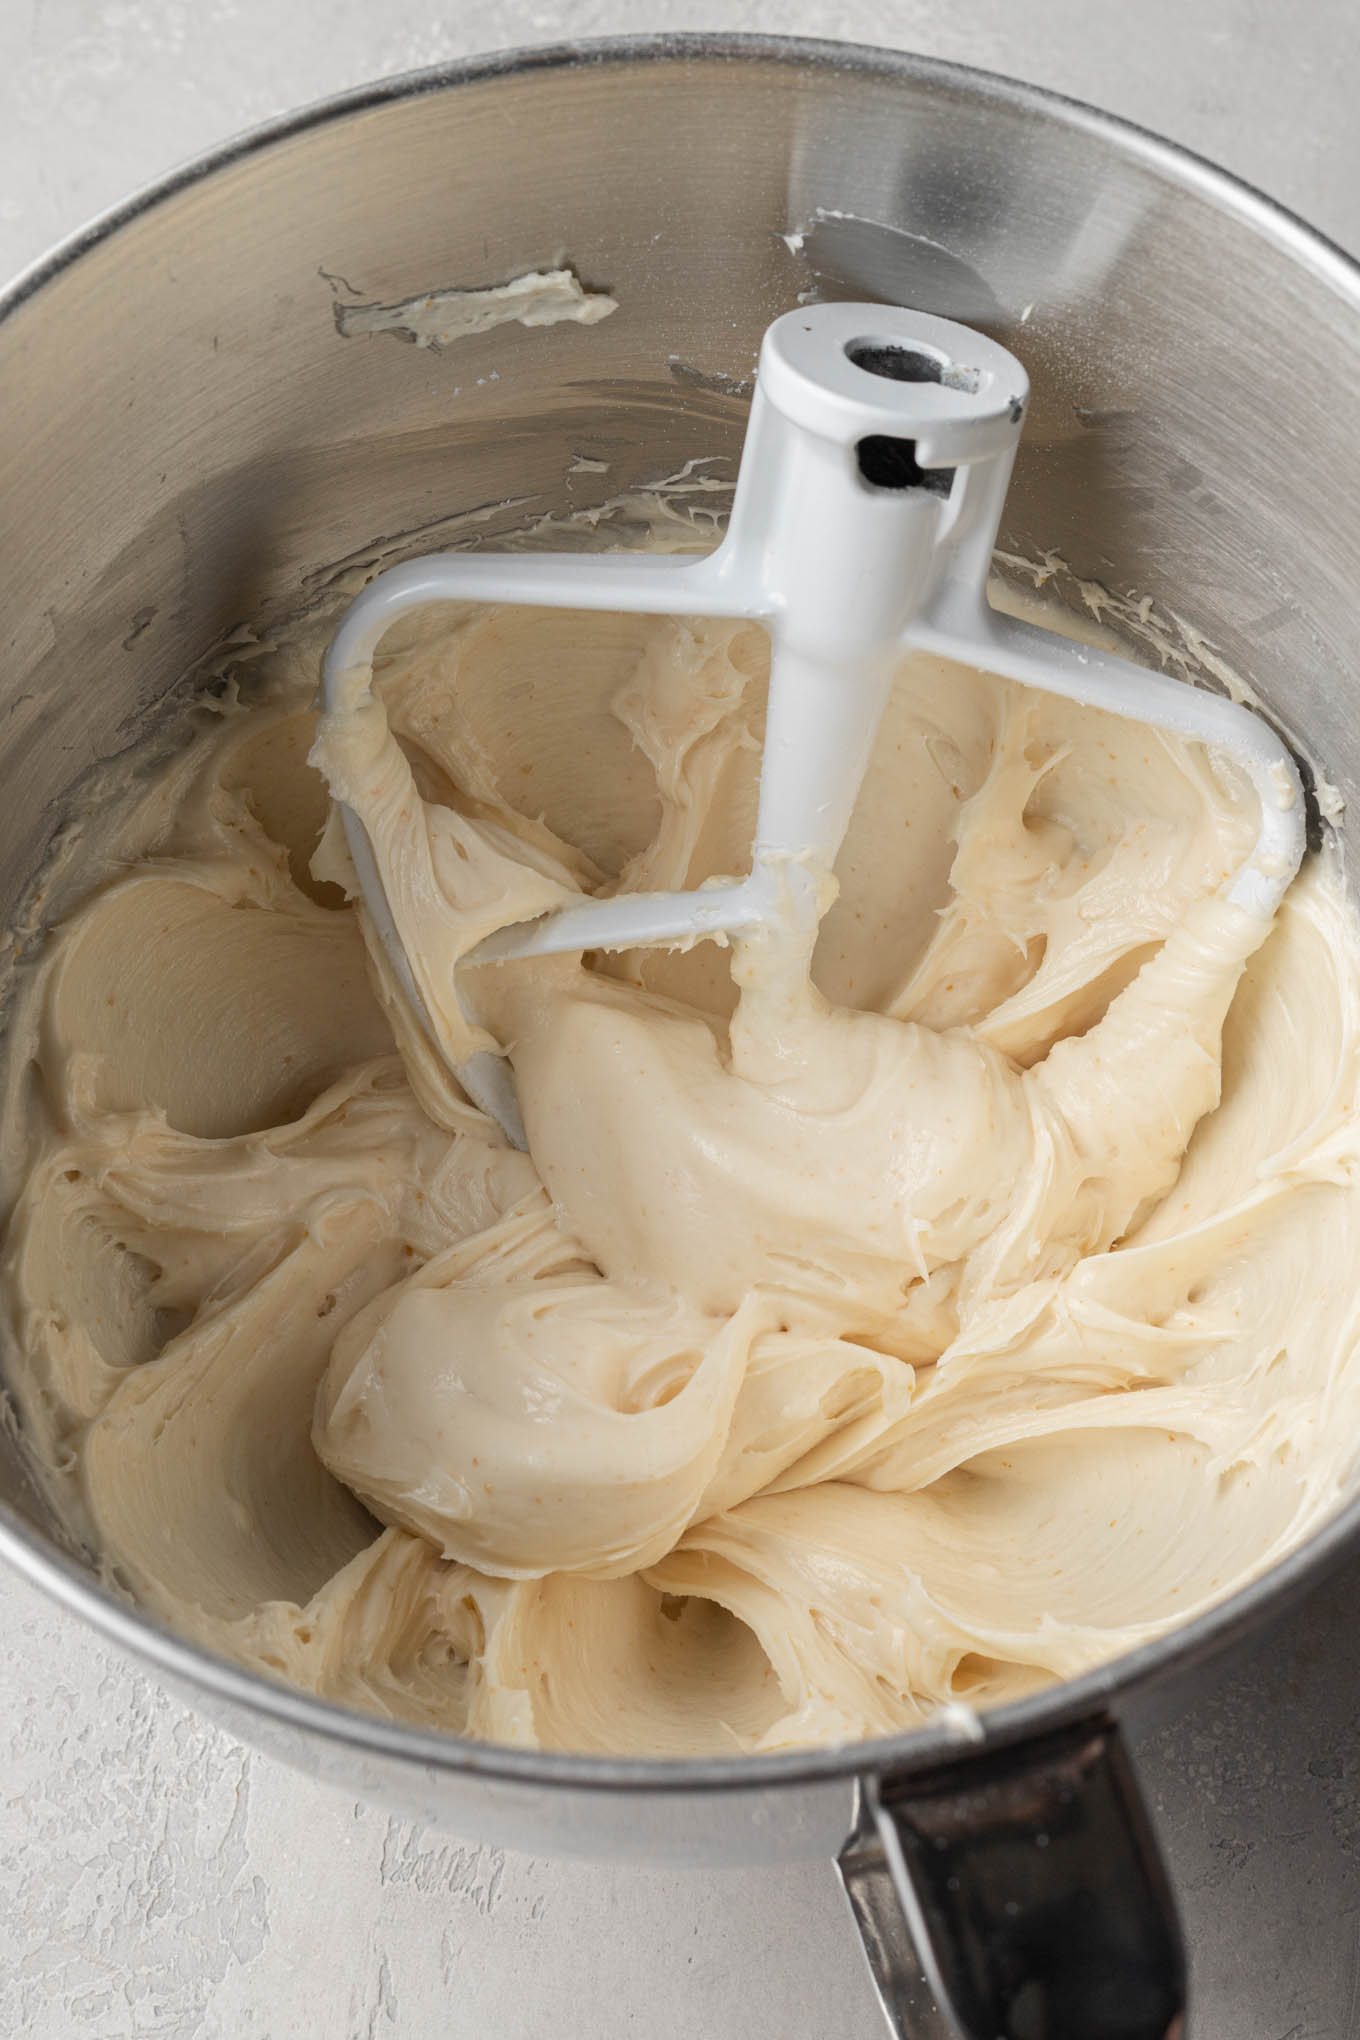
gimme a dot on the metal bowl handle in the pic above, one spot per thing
(1018, 1895)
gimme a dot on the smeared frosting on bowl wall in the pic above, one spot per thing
(438, 318)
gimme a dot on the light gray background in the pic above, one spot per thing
(155, 1877)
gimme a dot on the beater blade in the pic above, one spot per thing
(872, 481)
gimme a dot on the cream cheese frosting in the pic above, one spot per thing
(916, 1321)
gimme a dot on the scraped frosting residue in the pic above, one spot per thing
(541, 297)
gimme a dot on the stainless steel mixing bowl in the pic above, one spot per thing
(189, 443)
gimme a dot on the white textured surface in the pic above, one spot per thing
(155, 1878)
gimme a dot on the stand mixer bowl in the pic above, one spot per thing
(194, 440)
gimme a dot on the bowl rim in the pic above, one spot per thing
(1093, 1694)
